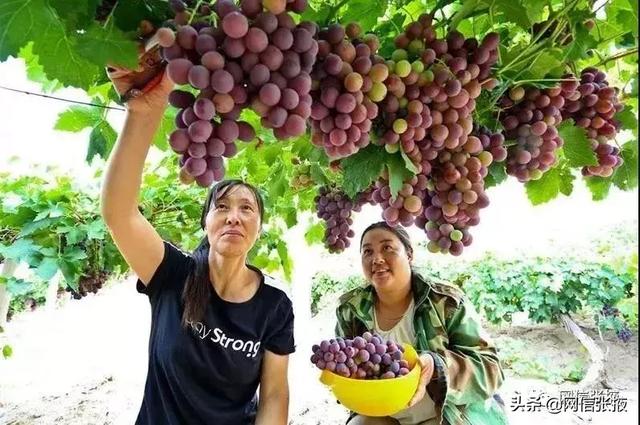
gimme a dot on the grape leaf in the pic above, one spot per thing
(511, 11)
(101, 141)
(22, 249)
(628, 120)
(279, 185)
(167, 125)
(623, 14)
(18, 287)
(467, 7)
(497, 173)
(35, 72)
(362, 168)
(108, 45)
(316, 13)
(77, 118)
(76, 13)
(398, 174)
(285, 260)
(47, 268)
(22, 21)
(576, 147)
(598, 186)
(408, 163)
(128, 14)
(555, 181)
(385, 32)
(549, 62)
(314, 234)
(290, 217)
(317, 174)
(364, 12)
(535, 9)
(582, 42)
(626, 176)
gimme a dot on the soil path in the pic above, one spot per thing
(85, 364)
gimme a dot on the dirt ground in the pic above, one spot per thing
(85, 364)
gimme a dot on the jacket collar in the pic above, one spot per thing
(363, 299)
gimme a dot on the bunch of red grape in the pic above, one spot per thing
(201, 140)
(456, 193)
(406, 206)
(608, 157)
(595, 105)
(492, 143)
(433, 88)
(530, 118)
(593, 108)
(347, 77)
(253, 57)
(335, 208)
(363, 357)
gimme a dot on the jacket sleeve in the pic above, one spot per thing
(468, 370)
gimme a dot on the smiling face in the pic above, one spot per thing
(233, 222)
(386, 263)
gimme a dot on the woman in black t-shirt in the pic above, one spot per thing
(220, 328)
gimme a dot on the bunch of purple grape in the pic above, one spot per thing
(610, 311)
(254, 55)
(335, 208)
(595, 105)
(530, 117)
(345, 78)
(456, 194)
(364, 357)
(407, 205)
(623, 332)
(593, 108)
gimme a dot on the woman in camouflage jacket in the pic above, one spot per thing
(461, 371)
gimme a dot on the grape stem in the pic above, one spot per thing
(106, 21)
(440, 5)
(62, 99)
(195, 11)
(618, 55)
(334, 10)
(534, 43)
(455, 15)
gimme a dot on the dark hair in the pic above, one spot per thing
(398, 231)
(195, 295)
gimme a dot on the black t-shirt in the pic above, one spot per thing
(209, 372)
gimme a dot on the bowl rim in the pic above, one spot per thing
(412, 371)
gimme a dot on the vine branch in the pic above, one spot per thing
(618, 56)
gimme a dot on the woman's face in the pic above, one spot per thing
(385, 261)
(233, 222)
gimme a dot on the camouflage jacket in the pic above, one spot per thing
(467, 369)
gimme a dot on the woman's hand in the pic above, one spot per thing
(428, 366)
(150, 98)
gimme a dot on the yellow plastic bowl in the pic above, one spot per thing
(378, 397)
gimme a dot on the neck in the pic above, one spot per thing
(395, 300)
(229, 275)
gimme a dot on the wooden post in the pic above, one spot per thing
(7, 270)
